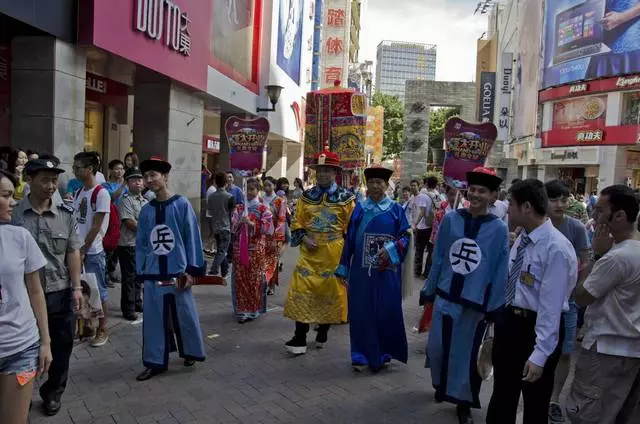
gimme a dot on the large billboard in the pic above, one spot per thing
(589, 39)
(290, 37)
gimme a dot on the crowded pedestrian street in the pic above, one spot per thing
(248, 376)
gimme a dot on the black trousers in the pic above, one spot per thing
(131, 294)
(514, 341)
(302, 329)
(61, 330)
(111, 262)
(422, 244)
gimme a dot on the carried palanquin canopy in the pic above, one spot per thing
(336, 121)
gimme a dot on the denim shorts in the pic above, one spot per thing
(27, 360)
(96, 264)
(570, 327)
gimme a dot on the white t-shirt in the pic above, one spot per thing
(612, 321)
(19, 255)
(100, 178)
(424, 200)
(84, 216)
(210, 191)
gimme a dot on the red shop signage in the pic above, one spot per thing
(605, 85)
(606, 136)
(211, 143)
(171, 37)
(106, 91)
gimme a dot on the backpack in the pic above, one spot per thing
(112, 236)
(428, 220)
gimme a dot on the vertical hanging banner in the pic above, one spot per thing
(467, 147)
(247, 139)
(504, 96)
(487, 98)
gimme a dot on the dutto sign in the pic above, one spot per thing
(164, 20)
(171, 37)
(504, 98)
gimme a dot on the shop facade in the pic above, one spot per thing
(589, 131)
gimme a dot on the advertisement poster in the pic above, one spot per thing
(247, 139)
(467, 147)
(232, 34)
(290, 37)
(486, 102)
(583, 113)
(589, 39)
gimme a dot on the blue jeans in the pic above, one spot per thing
(26, 361)
(96, 264)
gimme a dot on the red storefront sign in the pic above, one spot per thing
(211, 143)
(171, 37)
(605, 85)
(106, 91)
(605, 136)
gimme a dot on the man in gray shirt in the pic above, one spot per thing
(220, 206)
(53, 226)
(576, 233)
(129, 210)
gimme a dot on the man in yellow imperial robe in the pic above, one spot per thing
(316, 296)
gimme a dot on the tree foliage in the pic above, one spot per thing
(437, 119)
(393, 124)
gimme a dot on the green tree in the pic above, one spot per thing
(437, 119)
(393, 124)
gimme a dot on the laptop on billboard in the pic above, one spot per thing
(579, 32)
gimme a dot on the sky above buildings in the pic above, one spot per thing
(450, 24)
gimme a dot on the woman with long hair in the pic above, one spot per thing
(251, 224)
(131, 160)
(275, 198)
(17, 160)
(25, 346)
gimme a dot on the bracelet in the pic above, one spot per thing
(77, 288)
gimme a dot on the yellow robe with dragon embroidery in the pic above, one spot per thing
(316, 295)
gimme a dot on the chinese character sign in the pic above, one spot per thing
(335, 42)
(467, 147)
(247, 140)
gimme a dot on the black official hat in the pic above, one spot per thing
(36, 165)
(484, 177)
(378, 172)
(132, 173)
(155, 163)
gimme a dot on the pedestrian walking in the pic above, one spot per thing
(25, 345)
(606, 385)
(316, 295)
(53, 227)
(168, 256)
(220, 207)
(576, 233)
(426, 204)
(376, 243)
(92, 206)
(466, 288)
(129, 212)
(249, 278)
(543, 270)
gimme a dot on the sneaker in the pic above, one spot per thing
(101, 338)
(296, 347)
(555, 413)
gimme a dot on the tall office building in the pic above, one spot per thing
(399, 61)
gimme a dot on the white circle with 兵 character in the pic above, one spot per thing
(465, 256)
(162, 240)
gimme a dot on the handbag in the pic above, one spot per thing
(484, 362)
(92, 306)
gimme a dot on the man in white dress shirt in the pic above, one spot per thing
(543, 271)
(606, 386)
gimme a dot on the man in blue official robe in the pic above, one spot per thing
(374, 250)
(466, 284)
(168, 256)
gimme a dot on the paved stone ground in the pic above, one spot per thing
(248, 377)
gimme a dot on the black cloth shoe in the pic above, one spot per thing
(148, 373)
(296, 346)
(51, 407)
(130, 316)
(464, 415)
(189, 362)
